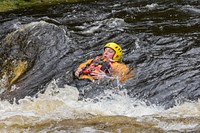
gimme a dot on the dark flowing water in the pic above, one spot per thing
(40, 48)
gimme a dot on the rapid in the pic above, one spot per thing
(40, 48)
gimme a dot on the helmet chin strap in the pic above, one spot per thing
(111, 60)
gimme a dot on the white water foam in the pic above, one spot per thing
(108, 24)
(59, 103)
(62, 103)
(151, 6)
(177, 126)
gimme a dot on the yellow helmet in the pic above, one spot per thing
(118, 50)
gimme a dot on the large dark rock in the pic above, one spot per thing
(46, 48)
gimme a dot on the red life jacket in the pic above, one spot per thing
(98, 64)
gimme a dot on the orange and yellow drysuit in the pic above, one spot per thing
(111, 68)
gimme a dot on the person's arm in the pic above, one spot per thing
(81, 67)
(98, 75)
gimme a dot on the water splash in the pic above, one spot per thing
(58, 104)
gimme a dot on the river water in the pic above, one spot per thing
(40, 48)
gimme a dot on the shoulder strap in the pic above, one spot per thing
(106, 66)
(92, 61)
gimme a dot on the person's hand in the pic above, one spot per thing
(97, 75)
(78, 72)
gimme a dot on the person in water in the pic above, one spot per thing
(109, 64)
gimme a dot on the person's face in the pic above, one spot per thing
(108, 53)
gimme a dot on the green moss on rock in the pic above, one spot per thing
(8, 5)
